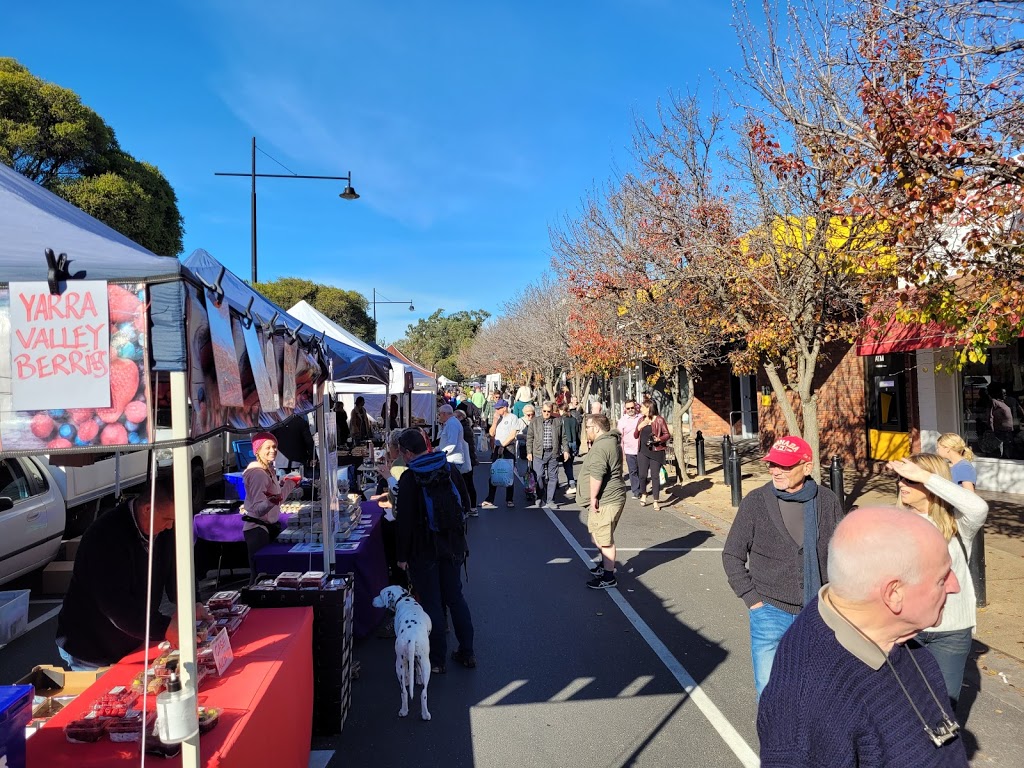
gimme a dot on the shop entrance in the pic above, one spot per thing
(886, 386)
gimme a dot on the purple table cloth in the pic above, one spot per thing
(224, 529)
(367, 562)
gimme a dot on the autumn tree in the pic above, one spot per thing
(941, 87)
(48, 135)
(346, 308)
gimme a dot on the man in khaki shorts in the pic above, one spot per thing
(600, 488)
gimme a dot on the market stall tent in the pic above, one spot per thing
(34, 221)
(422, 400)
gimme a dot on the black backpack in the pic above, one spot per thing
(443, 502)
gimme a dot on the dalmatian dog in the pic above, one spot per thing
(412, 644)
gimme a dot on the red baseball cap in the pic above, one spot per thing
(789, 451)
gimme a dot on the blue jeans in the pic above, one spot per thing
(76, 665)
(950, 650)
(634, 474)
(767, 626)
(438, 585)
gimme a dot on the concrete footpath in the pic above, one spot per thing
(999, 640)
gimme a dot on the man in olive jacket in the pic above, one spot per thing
(547, 446)
(776, 554)
(600, 488)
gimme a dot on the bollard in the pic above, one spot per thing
(737, 477)
(835, 479)
(977, 568)
(699, 450)
(726, 445)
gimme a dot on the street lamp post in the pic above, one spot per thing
(376, 302)
(348, 193)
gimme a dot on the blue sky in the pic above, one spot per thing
(469, 128)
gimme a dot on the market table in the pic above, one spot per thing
(267, 690)
(366, 561)
(226, 528)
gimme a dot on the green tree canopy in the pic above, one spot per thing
(435, 342)
(48, 135)
(346, 308)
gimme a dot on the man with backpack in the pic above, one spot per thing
(432, 506)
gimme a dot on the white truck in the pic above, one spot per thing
(41, 504)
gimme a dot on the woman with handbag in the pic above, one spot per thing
(652, 431)
(263, 496)
(925, 487)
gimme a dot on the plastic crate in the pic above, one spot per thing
(234, 485)
(13, 614)
(15, 714)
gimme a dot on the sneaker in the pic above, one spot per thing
(488, 505)
(510, 504)
(570, 491)
(474, 513)
(603, 582)
(598, 570)
(468, 660)
(438, 669)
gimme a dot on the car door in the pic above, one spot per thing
(31, 530)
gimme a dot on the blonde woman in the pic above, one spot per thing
(926, 488)
(953, 449)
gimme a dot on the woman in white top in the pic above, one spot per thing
(524, 397)
(926, 488)
(263, 497)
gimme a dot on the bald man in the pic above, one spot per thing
(845, 683)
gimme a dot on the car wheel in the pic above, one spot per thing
(198, 488)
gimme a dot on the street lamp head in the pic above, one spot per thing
(411, 307)
(349, 193)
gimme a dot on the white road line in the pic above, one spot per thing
(661, 549)
(572, 689)
(718, 721)
(498, 695)
(635, 687)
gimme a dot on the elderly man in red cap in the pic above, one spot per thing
(777, 551)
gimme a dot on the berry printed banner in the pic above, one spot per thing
(210, 413)
(73, 367)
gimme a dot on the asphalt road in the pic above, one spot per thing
(654, 673)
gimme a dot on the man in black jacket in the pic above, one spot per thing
(547, 446)
(103, 617)
(777, 551)
(433, 559)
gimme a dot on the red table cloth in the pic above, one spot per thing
(266, 697)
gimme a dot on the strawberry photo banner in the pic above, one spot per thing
(74, 367)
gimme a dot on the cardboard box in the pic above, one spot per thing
(53, 681)
(57, 577)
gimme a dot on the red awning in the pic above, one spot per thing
(896, 336)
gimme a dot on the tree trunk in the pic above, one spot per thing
(782, 397)
(811, 433)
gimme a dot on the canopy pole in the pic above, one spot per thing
(328, 475)
(184, 560)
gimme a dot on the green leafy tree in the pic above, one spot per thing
(436, 342)
(48, 135)
(346, 308)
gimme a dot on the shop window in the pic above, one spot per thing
(991, 403)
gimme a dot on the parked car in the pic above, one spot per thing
(32, 516)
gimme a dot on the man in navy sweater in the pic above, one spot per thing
(845, 688)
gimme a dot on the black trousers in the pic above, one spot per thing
(647, 464)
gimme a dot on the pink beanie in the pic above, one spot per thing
(259, 439)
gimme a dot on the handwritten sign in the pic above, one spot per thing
(222, 654)
(60, 346)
